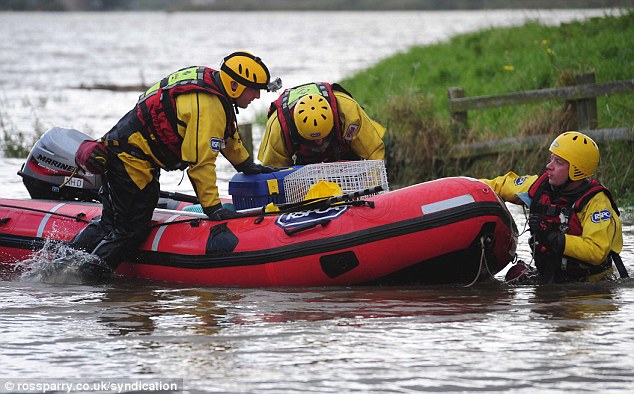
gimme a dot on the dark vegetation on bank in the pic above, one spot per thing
(408, 93)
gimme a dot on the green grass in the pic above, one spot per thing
(15, 143)
(408, 94)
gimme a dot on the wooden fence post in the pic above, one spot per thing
(459, 120)
(586, 108)
(246, 135)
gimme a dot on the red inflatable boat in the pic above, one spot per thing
(451, 230)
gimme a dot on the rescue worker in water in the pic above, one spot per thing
(319, 123)
(182, 122)
(574, 221)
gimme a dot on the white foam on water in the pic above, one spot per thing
(55, 263)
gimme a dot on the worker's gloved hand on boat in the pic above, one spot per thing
(248, 167)
(218, 212)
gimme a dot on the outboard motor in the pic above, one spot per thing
(51, 163)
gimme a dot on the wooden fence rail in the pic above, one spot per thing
(575, 92)
(531, 142)
(582, 96)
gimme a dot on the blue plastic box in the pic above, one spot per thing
(252, 191)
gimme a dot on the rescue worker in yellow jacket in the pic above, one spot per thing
(319, 122)
(573, 219)
(182, 122)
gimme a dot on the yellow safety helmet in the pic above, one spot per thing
(580, 151)
(245, 69)
(313, 117)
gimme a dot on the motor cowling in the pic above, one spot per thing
(50, 164)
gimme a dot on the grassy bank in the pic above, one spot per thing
(408, 94)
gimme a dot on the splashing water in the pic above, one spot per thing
(56, 263)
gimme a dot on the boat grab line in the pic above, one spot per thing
(79, 217)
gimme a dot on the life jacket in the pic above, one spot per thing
(559, 211)
(299, 148)
(156, 110)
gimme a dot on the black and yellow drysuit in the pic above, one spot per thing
(145, 141)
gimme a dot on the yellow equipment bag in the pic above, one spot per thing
(323, 189)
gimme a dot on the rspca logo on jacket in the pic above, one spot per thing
(601, 216)
(311, 216)
(216, 144)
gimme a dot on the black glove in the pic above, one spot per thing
(555, 242)
(545, 235)
(218, 212)
(537, 225)
(248, 167)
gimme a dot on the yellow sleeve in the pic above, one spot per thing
(205, 121)
(234, 150)
(365, 135)
(602, 232)
(272, 151)
(509, 185)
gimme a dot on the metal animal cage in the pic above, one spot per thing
(351, 176)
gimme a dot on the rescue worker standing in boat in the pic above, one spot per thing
(318, 123)
(182, 122)
(574, 222)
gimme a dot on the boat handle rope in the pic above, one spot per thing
(79, 217)
(483, 260)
